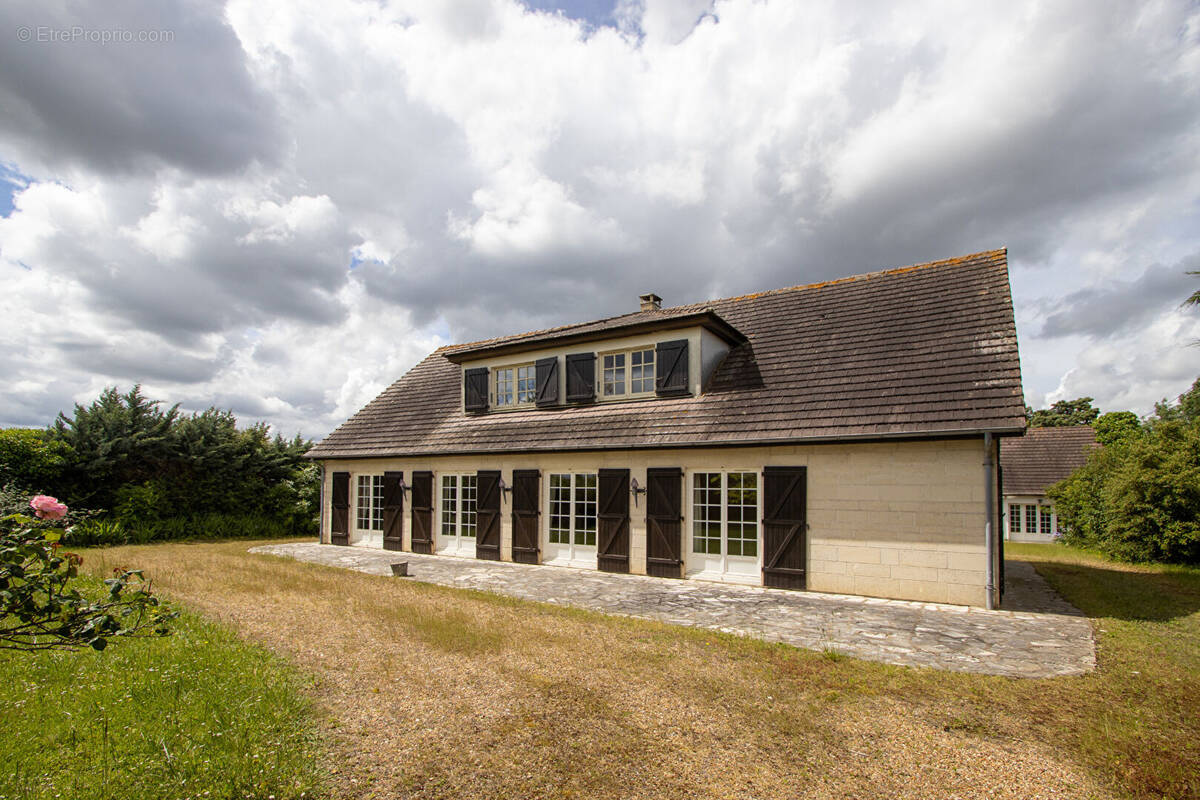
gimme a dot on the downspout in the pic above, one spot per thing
(989, 534)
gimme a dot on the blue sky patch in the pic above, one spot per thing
(12, 180)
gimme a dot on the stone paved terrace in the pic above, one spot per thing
(1047, 637)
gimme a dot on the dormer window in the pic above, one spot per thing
(515, 386)
(628, 373)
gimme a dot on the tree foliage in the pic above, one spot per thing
(1138, 498)
(1117, 427)
(30, 459)
(41, 607)
(147, 468)
(1064, 413)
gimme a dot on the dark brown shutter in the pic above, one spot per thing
(525, 511)
(547, 382)
(422, 512)
(339, 509)
(475, 389)
(581, 377)
(664, 522)
(613, 520)
(671, 367)
(487, 518)
(393, 511)
(785, 527)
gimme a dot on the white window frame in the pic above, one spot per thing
(626, 372)
(1014, 517)
(519, 385)
(755, 512)
(374, 502)
(459, 523)
(576, 551)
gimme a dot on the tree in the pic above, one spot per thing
(119, 439)
(40, 606)
(1065, 413)
(1194, 300)
(1117, 427)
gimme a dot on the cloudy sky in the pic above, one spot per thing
(278, 206)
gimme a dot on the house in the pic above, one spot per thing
(836, 437)
(1030, 465)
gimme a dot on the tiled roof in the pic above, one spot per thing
(1044, 456)
(924, 350)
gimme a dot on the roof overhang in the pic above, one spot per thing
(707, 319)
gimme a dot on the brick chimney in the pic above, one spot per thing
(651, 302)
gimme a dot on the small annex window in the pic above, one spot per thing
(514, 386)
(627, 373)
(370, 503)
(1014, 518)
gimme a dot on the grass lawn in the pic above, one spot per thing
(430, 692)
(198, 714)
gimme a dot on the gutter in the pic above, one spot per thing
(989, 534)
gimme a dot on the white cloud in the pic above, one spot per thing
(489, 169)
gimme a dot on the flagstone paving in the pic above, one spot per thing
(1044, 637)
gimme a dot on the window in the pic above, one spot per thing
(370, 503)
(628, 373)
(1014, 518)
(459, 494)
(573, 509)
(1045, 526)
(1031, 519)
(725, 512)
(515, 385)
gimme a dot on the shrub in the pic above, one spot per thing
(1138, 500)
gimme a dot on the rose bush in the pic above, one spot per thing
(41, 606)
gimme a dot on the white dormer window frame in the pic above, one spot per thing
(626, 373)
(514, 385)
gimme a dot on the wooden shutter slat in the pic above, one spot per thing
(612, 520)
(664, 522)
(525, 511)
(422, 512)
(581, 377)
(785, 527)
(393, 511)
(475, 389)
(671, 367)
(487, 515)
(339, 509)
(547, 381)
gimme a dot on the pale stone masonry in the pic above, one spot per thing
(889, 519)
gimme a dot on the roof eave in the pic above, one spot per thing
(950, 433)
(707, 319)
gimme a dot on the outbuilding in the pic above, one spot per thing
(836, 437)
(1032, 464)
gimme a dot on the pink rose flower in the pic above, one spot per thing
(46, 507)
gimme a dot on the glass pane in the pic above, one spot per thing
(1031, 519)
(363, 507)
(504, 387)
(560, 509)
(1014, 519)
(526, 384)
(449, 505)
(467, 497)
(377, 503)
(585, 510)
(706, 513)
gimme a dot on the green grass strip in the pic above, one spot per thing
(198, 714)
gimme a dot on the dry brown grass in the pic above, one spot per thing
(433, 692)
